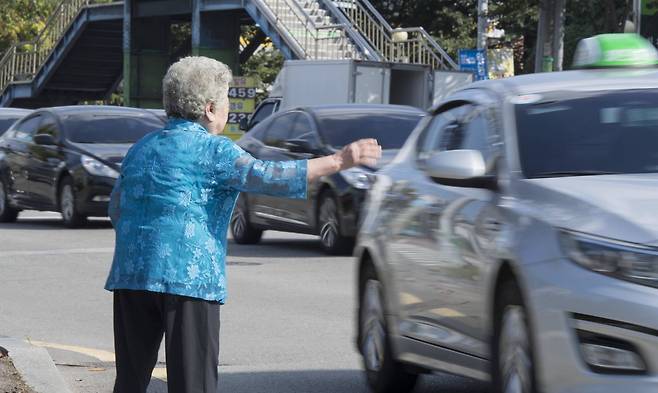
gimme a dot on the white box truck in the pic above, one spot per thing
(323, 82)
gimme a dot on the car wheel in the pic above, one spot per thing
(383, 372)
(241, 229)
(329, 224)
(70, 215)
(7, 213)
(514, 366)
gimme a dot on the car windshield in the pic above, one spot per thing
(6, 122)
(572, 134)
(390, 129)
(109, 128)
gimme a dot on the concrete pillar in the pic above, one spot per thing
(127, 19)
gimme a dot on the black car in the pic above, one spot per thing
(333, 204)
(67, 159)
(8, 116)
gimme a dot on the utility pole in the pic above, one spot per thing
(549, 52)
(483, 12)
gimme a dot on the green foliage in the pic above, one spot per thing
(586, 18)
(22, 20)
(454, 23)
(264, 64)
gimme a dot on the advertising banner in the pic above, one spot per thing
(242, 99)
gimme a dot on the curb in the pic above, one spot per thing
(35, 366)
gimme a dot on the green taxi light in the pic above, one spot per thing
(615, 50)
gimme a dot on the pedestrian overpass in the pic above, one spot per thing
(88, 47)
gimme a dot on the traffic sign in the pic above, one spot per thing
(475, 61)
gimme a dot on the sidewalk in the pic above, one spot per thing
(33, 366)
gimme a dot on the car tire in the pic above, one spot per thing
(241, 229)
(332, 241)
(7, 213)
(513, 362)
(383, 372)
(67, 205)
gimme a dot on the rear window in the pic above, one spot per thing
(390, 129)
(109, 128)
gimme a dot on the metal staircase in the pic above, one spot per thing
(348, 29)
(309, 31)
(78, 54)
(404, 45)
(76, 44)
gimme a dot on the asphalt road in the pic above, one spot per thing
(287, 326)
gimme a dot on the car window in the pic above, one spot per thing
(109, 128)
(49, 127)
(571, 133)
(303, 129)
(263, 112)
(431, 140)
(391, 129)
(279, 129)
(470, 132)
(6, 122)
(25, 130)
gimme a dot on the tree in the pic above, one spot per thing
(22, 20)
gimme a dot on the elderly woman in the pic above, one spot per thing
(170, 209)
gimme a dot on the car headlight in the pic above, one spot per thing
(626, 262)
(358, 178)
(97, 168)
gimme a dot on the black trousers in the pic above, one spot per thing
(191, 330)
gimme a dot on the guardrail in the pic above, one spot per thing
(313, 41)
(408, 45)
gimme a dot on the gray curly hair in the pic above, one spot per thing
(193, 82)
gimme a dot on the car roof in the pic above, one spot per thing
(324, 110)
(13, 112)
(585, 80)
(97, 109)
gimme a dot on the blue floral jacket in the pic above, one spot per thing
(172, 205)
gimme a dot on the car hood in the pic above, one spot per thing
(112, 153)
(621, 207)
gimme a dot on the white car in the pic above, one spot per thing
(515, 239)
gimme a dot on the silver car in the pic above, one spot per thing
(515, 239)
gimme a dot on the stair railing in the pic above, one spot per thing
(312, 41)
(407, 45)
(22, 60)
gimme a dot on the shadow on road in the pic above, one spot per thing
(332, 381)
(278, 248)
(50, 224)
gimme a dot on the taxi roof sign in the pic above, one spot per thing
(615, 51)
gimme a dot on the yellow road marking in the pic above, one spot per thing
(103, 356)
(447, 312)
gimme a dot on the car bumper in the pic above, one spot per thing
(566, 299)
(93, 195)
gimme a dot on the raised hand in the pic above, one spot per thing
(362, 152)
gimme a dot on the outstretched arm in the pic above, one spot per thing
(363, 152)
(239, 170)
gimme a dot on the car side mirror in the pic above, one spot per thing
(299, 146)
(244, 124)
(460, 168)
(44, 139)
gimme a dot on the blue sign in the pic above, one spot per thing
(474, 61)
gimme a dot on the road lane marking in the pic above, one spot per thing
(103, 356)
(20, 253)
